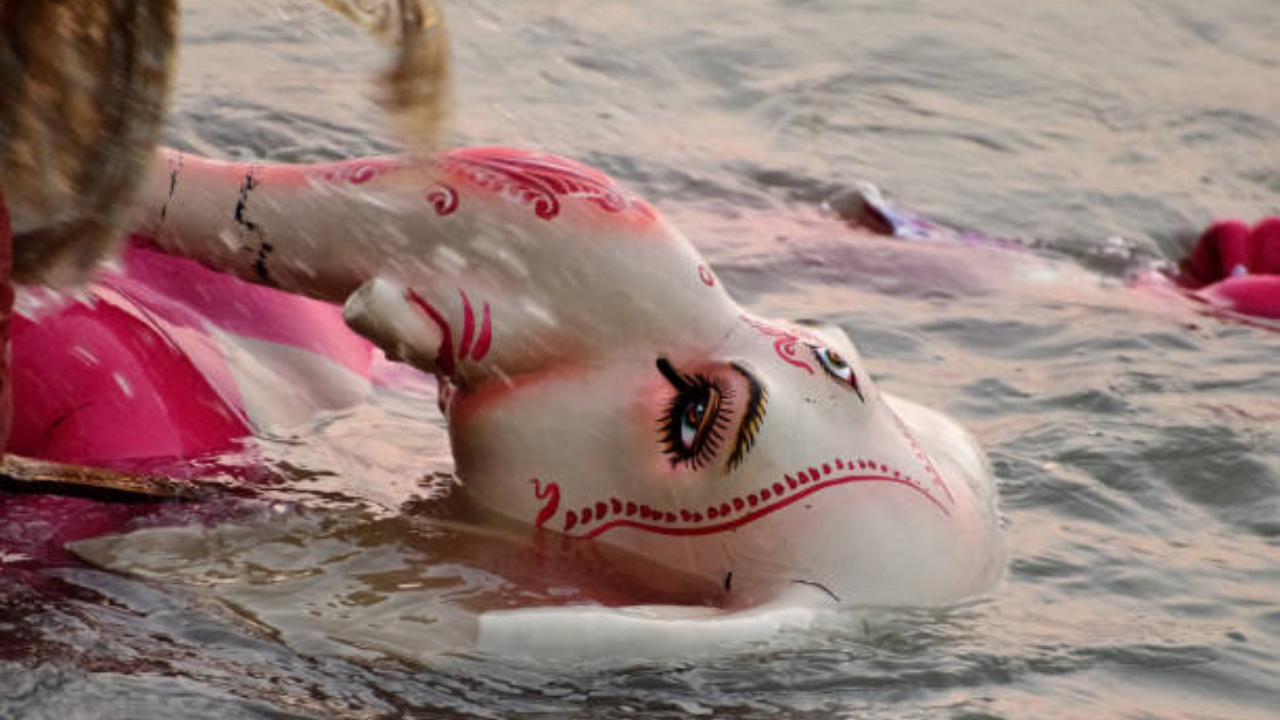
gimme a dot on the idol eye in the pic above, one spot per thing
(834, 364)
(838, 368)
(692, 427)
(693, 421)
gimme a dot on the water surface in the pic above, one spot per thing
(1137, 442)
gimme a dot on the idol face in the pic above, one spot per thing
(766, 459)
(602, 386)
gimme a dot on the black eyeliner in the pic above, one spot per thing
(752, 418)
(672, 376)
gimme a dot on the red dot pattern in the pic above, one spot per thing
(615, 509)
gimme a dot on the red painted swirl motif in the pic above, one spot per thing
(541, 180)
(551, 493)
(786, 343)
(443, 199)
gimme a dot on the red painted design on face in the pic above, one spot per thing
(786, 343)
(924, 459)
(542, 180)
(726, 517)
(551, 493)
(705, 275)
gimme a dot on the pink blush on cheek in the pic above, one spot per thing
(648, 412)
(644, 415)
(507, 394)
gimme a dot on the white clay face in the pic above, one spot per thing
(769, 460)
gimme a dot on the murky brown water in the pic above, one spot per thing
(1137, 446)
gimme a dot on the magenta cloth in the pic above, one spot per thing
(6, 312)
(134, 377)
(139, 372)
(1236, 267)
(1233, 267)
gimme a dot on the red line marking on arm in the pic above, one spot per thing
(444, 353)
(468, 324)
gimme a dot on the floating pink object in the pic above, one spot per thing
(1236, 267)
(145, 368)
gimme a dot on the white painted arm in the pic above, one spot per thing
(431, 296)
(315, 230)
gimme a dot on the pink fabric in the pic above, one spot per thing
(6, 311)
(1265, 241)
(1257, 295)
(186, 293)
(1229, 248)
(138, 374)
(100, 385)
(1237, 267)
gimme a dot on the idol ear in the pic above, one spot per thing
(443, 329)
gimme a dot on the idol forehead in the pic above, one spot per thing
(829, 334)
(765, 350)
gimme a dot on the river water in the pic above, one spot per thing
(1135, 439)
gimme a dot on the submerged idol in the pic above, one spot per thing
(599, 382)
(600, 385)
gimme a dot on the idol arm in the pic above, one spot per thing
(361, 233)
(305, 229)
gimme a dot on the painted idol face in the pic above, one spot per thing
(604, 387)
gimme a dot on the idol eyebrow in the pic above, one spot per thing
(752, 418)
(676, 379)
